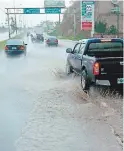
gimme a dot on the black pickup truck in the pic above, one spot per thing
(98, 61)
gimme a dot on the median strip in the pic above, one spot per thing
(2, 44)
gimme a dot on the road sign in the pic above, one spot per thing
(54, 3)
(31, 10)
(115, 2)
(115, 9)
(53, 10)
(87, 15)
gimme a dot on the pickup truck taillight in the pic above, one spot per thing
(96, 68)
(56, 41)
(48, 41)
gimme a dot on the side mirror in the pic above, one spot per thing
(26, 44)
(69, 50)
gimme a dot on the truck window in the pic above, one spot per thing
(107, 49)
(82, 48)
(106, 46)
(77, 48)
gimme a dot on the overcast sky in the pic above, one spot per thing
(29, 19)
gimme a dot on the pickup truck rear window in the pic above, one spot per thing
(106, 46)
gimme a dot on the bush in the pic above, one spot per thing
(112, 30)
(100, 27)
(80, 36)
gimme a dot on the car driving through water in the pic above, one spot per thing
(51, 41)
(98, 61)
(15, 46)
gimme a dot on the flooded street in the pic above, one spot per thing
(42, 109)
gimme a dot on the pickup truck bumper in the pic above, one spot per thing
(111, 79)
(103, 82)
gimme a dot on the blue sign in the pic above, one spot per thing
(31, 10)
(89, 1)
(53, 10)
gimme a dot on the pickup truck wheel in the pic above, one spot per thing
(68, 69)
(84, 81)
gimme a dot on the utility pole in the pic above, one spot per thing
(59, 18)
(74, 23)
(116, 10)
(8, 23)
(46, 25)
(118, 16)
(93, 22)
(15, 16)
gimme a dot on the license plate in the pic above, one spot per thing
(13, 48)
(120, 80)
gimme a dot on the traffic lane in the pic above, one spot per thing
(14, 110)
(67, 43)
(15, 103)
(20, 78)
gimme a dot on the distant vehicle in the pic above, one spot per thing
(33, 37)
(28, 34)
(39, 38)
(97, 61)
(51, 41)
(14, 46)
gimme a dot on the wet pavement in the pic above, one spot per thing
(41, 110)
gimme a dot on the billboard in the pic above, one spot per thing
(54, 3)
(87, 15)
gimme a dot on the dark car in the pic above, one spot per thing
(33, 39)
(52, 41)
(40, 38)
(28, 34)
(98, 61)
(14, 46)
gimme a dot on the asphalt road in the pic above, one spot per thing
(23, 81)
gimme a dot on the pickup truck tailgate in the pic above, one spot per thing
(111, 65)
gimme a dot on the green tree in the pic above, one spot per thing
(112, 30)
(100, 27)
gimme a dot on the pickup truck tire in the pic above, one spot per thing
(84, 80)
(68, 69)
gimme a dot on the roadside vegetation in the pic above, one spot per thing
(2, 44)
(103, 25)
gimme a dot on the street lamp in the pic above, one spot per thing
(74, 23)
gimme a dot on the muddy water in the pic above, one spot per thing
(43, 109)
